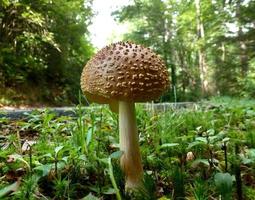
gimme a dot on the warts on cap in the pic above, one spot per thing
(125, 71)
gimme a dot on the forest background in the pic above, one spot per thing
(207, 45)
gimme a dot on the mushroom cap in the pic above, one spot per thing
(124, 71)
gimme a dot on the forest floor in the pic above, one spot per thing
(202, 149)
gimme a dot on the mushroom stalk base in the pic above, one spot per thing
(129, 143)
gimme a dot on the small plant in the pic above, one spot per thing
(61, 187)
(200, 190)
(178, 182)
(224, 184)
(194, 154)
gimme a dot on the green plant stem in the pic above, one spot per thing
(30, 157)
(113, 179)
(56, 166)
(225, 156)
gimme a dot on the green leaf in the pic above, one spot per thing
(210, 132)
(44, 170)
(58, 149)
(201, 139)
(95, 188)
(90, 197)
(249, 157)
(103, 160)
(195, 143)
(226, 139)
(47, 155)
(251, 154)
(109, 191)
(246, 161)
(116, 154)
(224, 183)
(65, 159)
(89, 136)
(8, 189)
(199, 162)
(164, 198)
(166, 145)
(83, 157)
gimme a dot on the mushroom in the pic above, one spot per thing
(120, 75)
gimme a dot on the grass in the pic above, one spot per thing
(185, 152)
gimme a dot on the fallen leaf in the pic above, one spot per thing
(9, 189)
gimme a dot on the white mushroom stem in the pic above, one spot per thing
(129, 144)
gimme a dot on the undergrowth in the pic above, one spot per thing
(206, 152)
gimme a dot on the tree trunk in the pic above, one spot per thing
(223, 55)
(167, 57)
(184, 69)
(242, 44)
(203, 68)
(168, 52)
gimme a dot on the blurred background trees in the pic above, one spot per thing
(208, 46)
(43, 47)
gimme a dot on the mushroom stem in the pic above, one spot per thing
(130, 161)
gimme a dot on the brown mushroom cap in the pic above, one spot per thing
(124, 71)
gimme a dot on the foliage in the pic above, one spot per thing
(224, 184)
(41, 43)
(200, 153)
(207, 45)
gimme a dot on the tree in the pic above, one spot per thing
(201, 53)
(41, 43)
(23, 35)
(195, 40)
